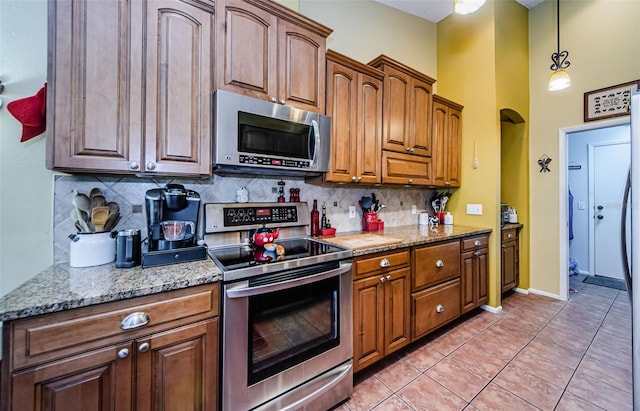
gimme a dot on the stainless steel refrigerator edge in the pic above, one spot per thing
(633, 282)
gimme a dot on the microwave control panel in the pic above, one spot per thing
(260, 215)
(274, 162)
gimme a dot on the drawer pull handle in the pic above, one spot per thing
(135, 320)
(477, 253)
(439, 308)
(123, 353)
(382, 279)
(509, 235)
(439, 263)
(144, 347)
(388, 278)
(384, 263)
(476, 243)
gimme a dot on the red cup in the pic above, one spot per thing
(440, 217)
(368, 221)
(380, 225)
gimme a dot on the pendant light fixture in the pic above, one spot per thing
(560, 78)
(467, 6)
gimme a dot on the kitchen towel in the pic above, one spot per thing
(31, 113)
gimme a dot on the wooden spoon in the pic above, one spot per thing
(99, 216)
(98, 201)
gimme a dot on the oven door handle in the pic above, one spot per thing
(284, 285)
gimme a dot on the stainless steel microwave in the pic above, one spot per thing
(252, 136)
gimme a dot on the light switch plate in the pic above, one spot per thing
(581, 205)
(414, 209)
(352, 211)
(474, 209)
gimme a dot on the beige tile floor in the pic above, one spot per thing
(539, 353)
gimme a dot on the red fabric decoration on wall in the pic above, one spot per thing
(31, 112)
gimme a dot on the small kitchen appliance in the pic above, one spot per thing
(253, 136)
(287, 324)
(128, 248)
(504, 213)
(172, 218)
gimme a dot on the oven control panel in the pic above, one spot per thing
(239, 216)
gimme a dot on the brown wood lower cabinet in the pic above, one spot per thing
(434, 307)
(380, 308)
(171, 366)
(474, 273)
(510, 260)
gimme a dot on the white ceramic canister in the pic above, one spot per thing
(423, 218)
(448, 219)
(89, 249)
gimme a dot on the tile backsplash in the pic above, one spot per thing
(129, 192)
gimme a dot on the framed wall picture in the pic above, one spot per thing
(608, 102)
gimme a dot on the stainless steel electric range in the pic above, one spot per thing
(287, 308)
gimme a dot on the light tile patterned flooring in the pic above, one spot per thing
(539, 353)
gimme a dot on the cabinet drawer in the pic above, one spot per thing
(475, 242)
(52, 336)
(509, 235)
(434, 264)
(405, 169)
(381, 263)
(434, 307)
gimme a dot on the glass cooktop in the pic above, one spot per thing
(297, 253)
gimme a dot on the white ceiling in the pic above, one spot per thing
(436, 10)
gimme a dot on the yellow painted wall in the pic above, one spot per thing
(512, 91)
(603, 40)
(466, 74)
(365, 29)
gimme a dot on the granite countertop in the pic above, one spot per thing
(411, 236)
(61, 287)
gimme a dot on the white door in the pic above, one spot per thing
(610, 167)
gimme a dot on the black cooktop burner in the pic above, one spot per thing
(243, 256)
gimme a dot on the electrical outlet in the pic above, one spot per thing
(274, 190)
(474, 209)
(352, 211)
(414, 209)
(136, 208)
(581, 205)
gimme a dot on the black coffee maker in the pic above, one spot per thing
(172, 218)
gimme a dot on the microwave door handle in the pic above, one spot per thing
(316, 136)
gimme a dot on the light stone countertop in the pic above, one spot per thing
(61, 287)
(413, 235)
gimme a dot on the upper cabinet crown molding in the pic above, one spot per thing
(383, 60)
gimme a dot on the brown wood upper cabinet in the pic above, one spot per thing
(407, 108)
(270, 52)
(447, 134)
(127, 96)
(354, 102)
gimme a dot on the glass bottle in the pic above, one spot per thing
(315, 219)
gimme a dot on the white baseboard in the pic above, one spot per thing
(583, 272)
(544, 293)
(494, 310)
(520, 290)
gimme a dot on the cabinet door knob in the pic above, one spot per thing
(509, 235)
(439, 308)
(359, 179)
(411, 150)
(411, 181)
(282, 102)
(274, 100)
(388, 278)
(476, 243)
(134, 165)
(123, 353)
(382, 279)
(151, 165)
(144, 347)
(439, 263)
(408, 149)
(447, 183)
(477, 253)
(354, 179)
(384, 263)
(135, 320)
